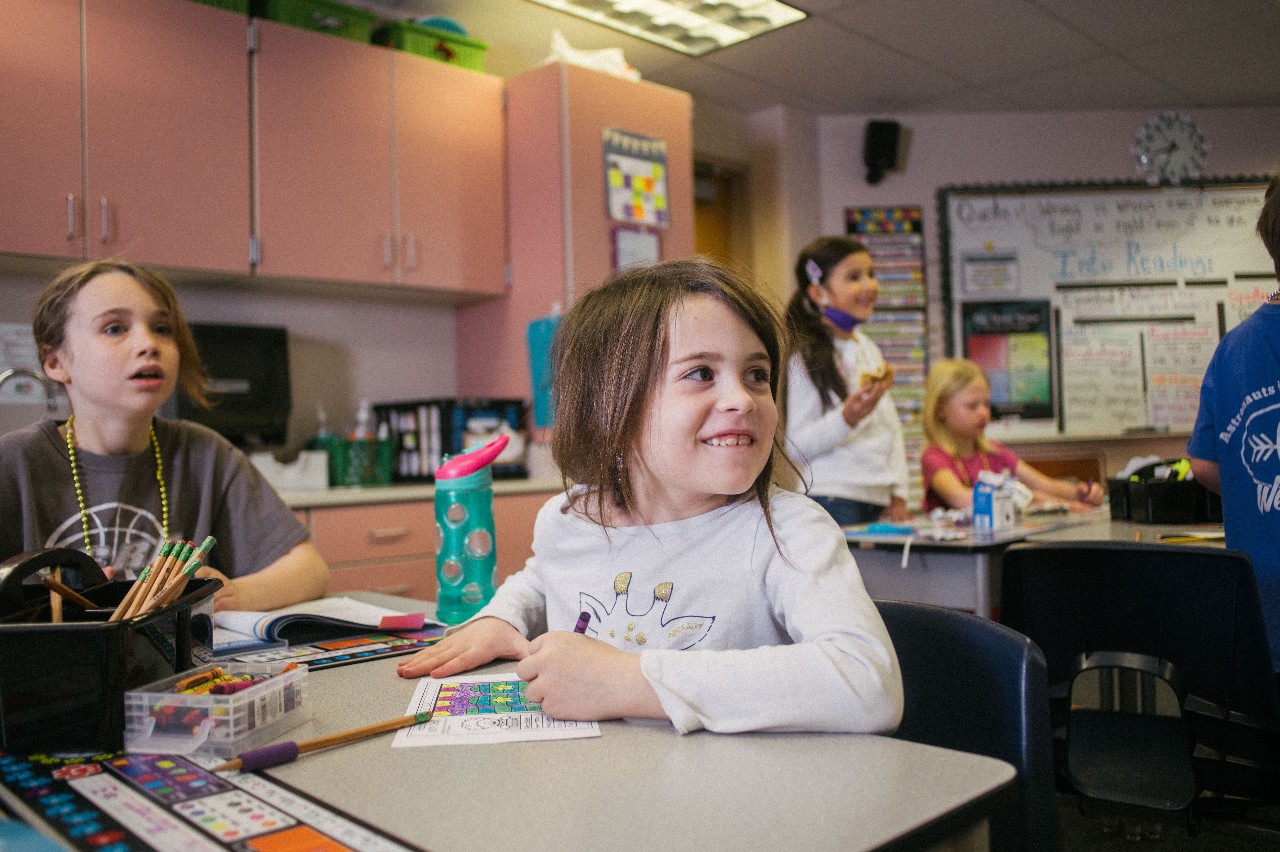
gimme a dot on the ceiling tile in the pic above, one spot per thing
(975, 40)
(1120, 25)
(1079, 86)
(851, 67)
(1235, 63)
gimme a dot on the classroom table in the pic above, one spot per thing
(965, 574)
(638, 785)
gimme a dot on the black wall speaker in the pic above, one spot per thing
(880, 150)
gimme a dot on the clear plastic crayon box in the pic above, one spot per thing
(268, 702)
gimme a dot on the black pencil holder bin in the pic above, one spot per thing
(62, 685)
(1147, 500)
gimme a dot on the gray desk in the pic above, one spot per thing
(958, 574)
(966, 574)
(639, 786)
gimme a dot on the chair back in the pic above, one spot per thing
(976, 686)
(1195, 608)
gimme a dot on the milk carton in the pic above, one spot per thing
(994, 506)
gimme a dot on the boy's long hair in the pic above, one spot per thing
(946, 379)
(804, 318)
(53, 309)
(609, 354)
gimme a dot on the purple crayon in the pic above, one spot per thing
(584, 618)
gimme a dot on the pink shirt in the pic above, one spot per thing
(999, 459)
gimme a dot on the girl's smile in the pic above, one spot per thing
(850, 286)
(711, 418)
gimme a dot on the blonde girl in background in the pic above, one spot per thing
(717, 600)
(957, 409)
(842, 427)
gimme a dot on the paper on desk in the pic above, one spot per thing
(476, 709)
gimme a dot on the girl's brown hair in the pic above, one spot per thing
(804, 317)
(946, 379)
(49, 325)
(609, 353)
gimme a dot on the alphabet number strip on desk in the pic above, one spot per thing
(118, 802)
(474, 709)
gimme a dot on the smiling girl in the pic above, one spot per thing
(114, 479)
(841, 423)
(716, 599)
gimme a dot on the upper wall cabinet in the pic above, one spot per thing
(450, 181)
(140, 152)
(323, 140)
(377, 166)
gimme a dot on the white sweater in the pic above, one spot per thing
(867, 462)
(731, 636)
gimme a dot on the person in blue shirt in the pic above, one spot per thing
(1235, 447)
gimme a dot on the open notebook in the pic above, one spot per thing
(312, 621)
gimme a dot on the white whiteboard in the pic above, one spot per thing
(1143, 281)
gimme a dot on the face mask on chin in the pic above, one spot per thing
(840, 319)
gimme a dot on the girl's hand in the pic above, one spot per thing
(896, 512)
(580, 678)
(228, 597)
(482, 641)
(1089, 493)
(860, 403)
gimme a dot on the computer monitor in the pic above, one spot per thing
(248, 369)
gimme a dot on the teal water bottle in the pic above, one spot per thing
(467, 556)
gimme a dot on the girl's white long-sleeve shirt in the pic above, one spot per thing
(732, 636)
(867, 462)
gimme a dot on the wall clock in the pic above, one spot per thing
(1169, 149)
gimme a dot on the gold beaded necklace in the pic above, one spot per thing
(75, 479)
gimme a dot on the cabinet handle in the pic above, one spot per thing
(388, 533)
(106, 233)
(411, 249)
(401, 589)
(387, 259)
(71, 216)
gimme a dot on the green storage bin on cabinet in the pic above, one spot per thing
(320, 15)
(433, 44)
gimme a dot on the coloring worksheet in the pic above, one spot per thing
(483, 709)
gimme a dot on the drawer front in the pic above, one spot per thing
(352, 533)
(411, 578)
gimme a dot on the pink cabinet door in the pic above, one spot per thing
(167, 141)
(449, 176)
(323, 120)
(40, 188)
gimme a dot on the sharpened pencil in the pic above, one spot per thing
(287, 752)
(69, 593)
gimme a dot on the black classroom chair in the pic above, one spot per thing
(976, 686)
(1188, 617)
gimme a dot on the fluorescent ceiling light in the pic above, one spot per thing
(693, 27)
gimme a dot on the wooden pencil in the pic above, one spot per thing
(69, 593)
(286, 752)
(143, 601)
(140, 581)
(175, 587)
(55, 599)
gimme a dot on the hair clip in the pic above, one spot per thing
(813, 270)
